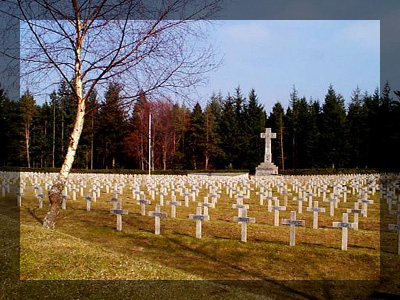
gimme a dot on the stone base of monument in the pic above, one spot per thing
(266, 168)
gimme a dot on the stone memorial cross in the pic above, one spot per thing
(268, 135)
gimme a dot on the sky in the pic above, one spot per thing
(273, 56)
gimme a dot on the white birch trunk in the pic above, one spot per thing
(56, 190)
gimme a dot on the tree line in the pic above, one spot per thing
(224, 134)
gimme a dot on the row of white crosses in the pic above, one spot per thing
(391, 194)
(305, 187)
(336, 193)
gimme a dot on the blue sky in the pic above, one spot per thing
(272, 56)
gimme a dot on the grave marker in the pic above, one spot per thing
(243, 219)
(142, 202)
(19, 197)
(206, 205)
(64, 202)
(315, 211)
(333, 202)
(157, 214)
(276, 208)
(345, 224)
(292, 222)
(356, 210)
(365, 203)
(40, 197)
(397, 228)
(300, 204)
(199, 219)
(88, 202)
(173, 204)
(119, 213)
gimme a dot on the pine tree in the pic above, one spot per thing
(10, 133)
(181, 123)
(395, 133)
(45, 117)
(112, 126)
(356, 129)
(292, 121)
(370, 110)
(85, 156)
(277, 125)
(196, 138)
(384, 127)
(334, 144)
(212, 139)
(228, 129)
(302, 135)
(314, 134)
(255, 124)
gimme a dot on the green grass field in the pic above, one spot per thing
(86, 245)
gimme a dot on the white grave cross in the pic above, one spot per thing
(397, 228)
(277, 208)
(292, 222)
(119, 213)
(243, 219)
(345, 224)
(315, 211)
(157, 214)
(268, 135)
(143, 203)
(199, 219)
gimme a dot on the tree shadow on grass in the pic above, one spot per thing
(31, 212)
(289, 289)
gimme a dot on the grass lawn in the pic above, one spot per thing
(86, 245)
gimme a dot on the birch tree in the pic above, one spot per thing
(94, 42)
